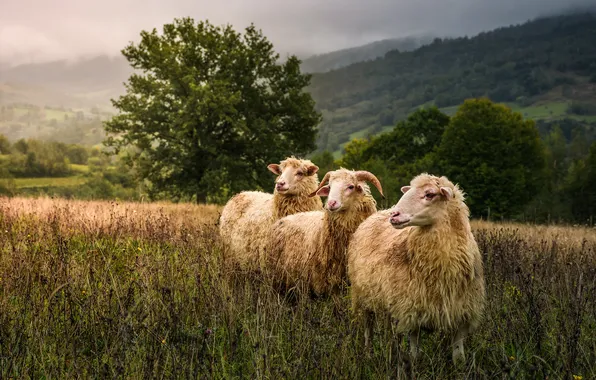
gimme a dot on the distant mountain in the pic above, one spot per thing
(365, 90)
(550, 59)
(92, 82)
(88, 82)
(341, 58)
(89, 74)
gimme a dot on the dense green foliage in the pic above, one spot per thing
(512, 64)
(509, 167)
(35, 158)
(142, 291)
(582, 187)
(35, 167)
(495, 155)
(211, 109)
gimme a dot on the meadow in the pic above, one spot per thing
(109, 289)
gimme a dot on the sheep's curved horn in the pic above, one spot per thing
(321, 184)
(363, 175)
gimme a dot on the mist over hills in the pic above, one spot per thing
(366, 89)
(341, 58)
(92, 81)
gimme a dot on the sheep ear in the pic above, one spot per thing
(274, 168)
(404, 189)
(447, 192)
(323, 191)
(312, 169)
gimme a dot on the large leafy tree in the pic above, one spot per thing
(208, 108)
(496, 156)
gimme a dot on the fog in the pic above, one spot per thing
(41, 30)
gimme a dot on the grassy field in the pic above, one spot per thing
(107, 289)
(80, 168)
(22, 183)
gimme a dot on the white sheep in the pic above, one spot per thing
(247, 217)
(420, 263)
(309, 248)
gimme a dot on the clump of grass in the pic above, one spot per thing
(105, 289)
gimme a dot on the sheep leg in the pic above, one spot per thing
(368, 330)
(414, 343)
(457, 344)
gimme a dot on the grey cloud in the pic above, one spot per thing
(40, 30)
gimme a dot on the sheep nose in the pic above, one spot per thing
(332, 204)
(395, 213)
(280, 184)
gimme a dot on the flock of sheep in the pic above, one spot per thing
(417, 262)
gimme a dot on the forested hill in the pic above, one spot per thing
(549, 59)
(341, 58)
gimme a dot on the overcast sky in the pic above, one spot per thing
(43, 30)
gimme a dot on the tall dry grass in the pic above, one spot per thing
(105, 289)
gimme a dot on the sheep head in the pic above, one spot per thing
(345, 188)
(425, 201)
(294, 176)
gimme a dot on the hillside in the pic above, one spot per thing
(341, 58)
(86, 83)
(539, 68)
(544, 62)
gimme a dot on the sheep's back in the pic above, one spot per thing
(293, 244)
(244, 224)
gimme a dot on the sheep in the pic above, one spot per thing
(247, 217)
(419, 262)
(309, 248)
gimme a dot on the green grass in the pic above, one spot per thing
(449, 110)
(590, 119)
(80, 168)
(99, 290)
(550, 110)
(49, 182)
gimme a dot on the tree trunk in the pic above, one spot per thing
(201, 198)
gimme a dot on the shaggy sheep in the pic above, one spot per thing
(310, 247)
(247, 217)
(420, 263)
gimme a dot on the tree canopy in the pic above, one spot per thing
(209, 108)
(495, 155)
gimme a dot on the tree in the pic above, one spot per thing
(411, 139)
(324, 160)
(210, 110)
(5, 147)
(354, 157)
(495, 155)
(581, 188)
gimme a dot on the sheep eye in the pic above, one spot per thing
(351, 187)
(430, 196)
(299, 174)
